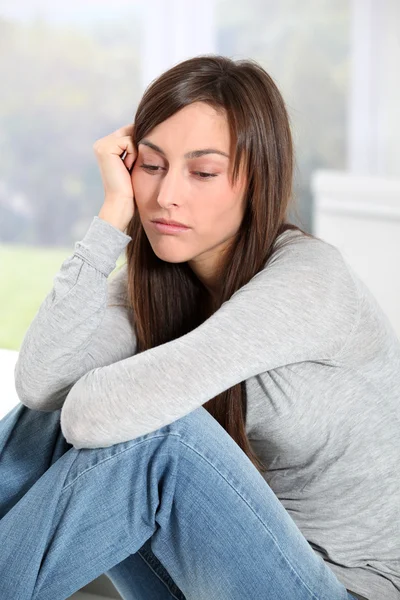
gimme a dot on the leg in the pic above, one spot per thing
(141, 575)
(30, 442)
(213, 521)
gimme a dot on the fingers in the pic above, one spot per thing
(129, 160)
(125, 130)
(120, 143)
(113, 145)
(129, 152)
(124, 143)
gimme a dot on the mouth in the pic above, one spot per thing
(167, 228)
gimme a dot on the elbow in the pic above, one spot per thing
(71, 421)
(37, 402)
(74, 435)
(35, 398)
(32, 401)
(69, 429)
(77, 434)
(24, 395)
(77, 424)
(24, 386)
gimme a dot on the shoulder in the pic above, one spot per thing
(295, 249)
(307, 267)
(294, 239)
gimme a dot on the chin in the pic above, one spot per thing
(172, 257)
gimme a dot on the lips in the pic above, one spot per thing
(165, 222)
(169, 229)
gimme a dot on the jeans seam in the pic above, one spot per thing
(110, 457)
(153, 568)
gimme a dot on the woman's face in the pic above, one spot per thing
(176, 187)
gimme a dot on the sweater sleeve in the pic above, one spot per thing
(74, 329)
(300, 307)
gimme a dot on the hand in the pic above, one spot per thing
(116, 155)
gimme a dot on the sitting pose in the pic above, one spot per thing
(219, 419)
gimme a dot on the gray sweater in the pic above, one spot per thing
(322, 369)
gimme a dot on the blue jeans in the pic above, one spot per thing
(181, 506)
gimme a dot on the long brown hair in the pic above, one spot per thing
(260, 137)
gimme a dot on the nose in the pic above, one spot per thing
(170, 189)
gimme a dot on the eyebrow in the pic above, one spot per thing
(192, 154)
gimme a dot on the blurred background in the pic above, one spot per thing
(73, 72)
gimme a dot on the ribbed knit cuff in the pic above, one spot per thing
(102, 245)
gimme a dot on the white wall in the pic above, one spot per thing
(373, 135)
(359, 210)
(361, 216)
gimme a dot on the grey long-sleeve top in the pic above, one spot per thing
(322, 369)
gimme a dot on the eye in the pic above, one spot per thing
(149, 167)
(205, 175)
(154, 169)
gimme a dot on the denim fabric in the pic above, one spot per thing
(177, 513)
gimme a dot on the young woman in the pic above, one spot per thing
(220, 418)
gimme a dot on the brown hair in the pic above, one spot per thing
(260, 136)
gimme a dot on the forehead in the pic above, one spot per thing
(196, 126)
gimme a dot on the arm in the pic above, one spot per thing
(300, 307)
(74, 330)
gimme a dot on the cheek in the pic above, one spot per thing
(226, 216)
(136, 178)
(141, 187)
(214, 217)
(219, 205)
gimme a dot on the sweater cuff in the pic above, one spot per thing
(102, 245)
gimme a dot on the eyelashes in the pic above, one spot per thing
(152, 169)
